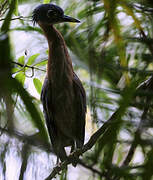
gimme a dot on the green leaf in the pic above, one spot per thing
(21, 60)
(6, 24)
(28, 28)
(1, 1)
(47, 51)
(15, 69)
(42, 63)
(16, 8)
(20, 77)
(38, 85)
(32, 59)
(46, 1)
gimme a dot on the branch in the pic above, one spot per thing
(31, 67)
(150, 46)
(143, 8)
(16, 18)
(147, 85)
(91, 168)
(93, 139)
(3, 9)
(24, 155)
(74, 156)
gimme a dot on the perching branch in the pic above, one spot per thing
(74, 156)
(97, 135)
(63, 166)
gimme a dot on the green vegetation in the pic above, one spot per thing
(112, 53)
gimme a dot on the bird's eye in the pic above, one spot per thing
(51, 13)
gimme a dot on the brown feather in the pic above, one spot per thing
(63, 96)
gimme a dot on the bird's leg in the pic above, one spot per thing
(72, 148)
(73, 155)
(60, 153)
(58, 164)
(57, 161)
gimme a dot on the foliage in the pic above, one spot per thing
(112, 53)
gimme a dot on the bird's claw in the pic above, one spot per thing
(57, 169)
(76, 153)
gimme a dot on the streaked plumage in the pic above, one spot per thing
(63, 96)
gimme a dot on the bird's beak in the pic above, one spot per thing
(70, 19)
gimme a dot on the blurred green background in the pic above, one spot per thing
(112, 53)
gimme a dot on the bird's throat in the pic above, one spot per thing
(59, 65)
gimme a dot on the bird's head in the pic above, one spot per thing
(50, 14)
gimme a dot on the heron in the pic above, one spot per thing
(63, 96)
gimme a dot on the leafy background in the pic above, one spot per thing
(112, 53)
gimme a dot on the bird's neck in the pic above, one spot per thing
(59, 62)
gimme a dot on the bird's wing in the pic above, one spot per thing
(46, 99)
(80, 102)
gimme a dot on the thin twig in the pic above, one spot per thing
(2, 8)
(143, 8)
(147, 85)
(150, 46)
(16, 18)
(91, 168)
(137, 137)
(25, 65)
(24, 154)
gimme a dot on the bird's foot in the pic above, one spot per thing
(74, 156)
(76, 153)
(57, 169)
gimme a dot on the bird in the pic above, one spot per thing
(63, 96)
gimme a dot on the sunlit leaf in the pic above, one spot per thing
(46, 1)
(120, 154)
(28, 28)
(16, 8)
(32, 59)
(130, 12)
(38, 85)
(20, 77)
(15, 69)
(115, 27)
(42, 63)
(21, 60)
